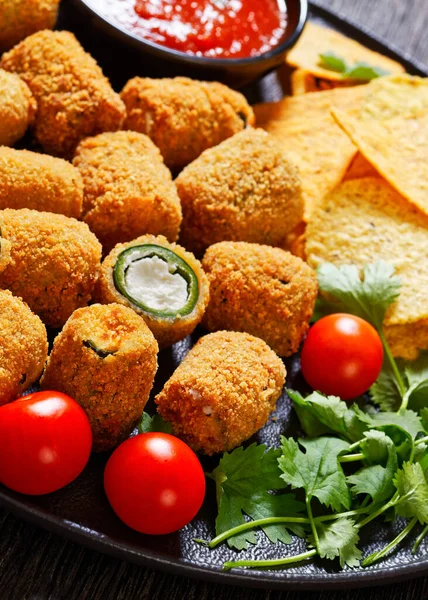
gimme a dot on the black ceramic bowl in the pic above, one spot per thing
(149, 58)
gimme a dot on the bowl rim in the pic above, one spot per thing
(207, 61)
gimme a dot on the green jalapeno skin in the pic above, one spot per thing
(175, 264)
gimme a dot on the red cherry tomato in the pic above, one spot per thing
(45, 442)
(154, 483)
(342, 356)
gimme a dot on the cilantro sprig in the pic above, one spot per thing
(356, 465)
(359, 71)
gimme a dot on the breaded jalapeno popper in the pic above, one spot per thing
(23, 347)
(128, 189)
(50, 261)
(184, 117)
(17, 107)
(20, 18)
(106, 359)
(222, 392)
(264, 291)
(74, 99)
(39, 181)
(244, 189)
(162, 282)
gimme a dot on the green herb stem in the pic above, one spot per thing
(312, 522)
(423, 440)
(355, 445)
(394, 500)
(342, 515)
(351, 457)
(395, 369)
(419, 540)
(400, 537)
(279, 562)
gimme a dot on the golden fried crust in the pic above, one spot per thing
(222, 392)
(74, 98)
(17, 107)
(106, 359)
(184, 117)
(245, 189)
(20, 18)
(23, 347)
(39, 181)
(49, 260)
(167, 331)
(128, 189)
(264, 291)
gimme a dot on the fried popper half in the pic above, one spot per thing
(49, 260)
(20, 18)
(23, 347)
(264, 291)
(223, 392)
(184, 117)
(245, 189)
(128, 189)
(106, 359)
(40, 182)
(17, 107)
(161, 282)
(74, 98)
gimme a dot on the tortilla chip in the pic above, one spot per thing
(303, 82)
(398, 95)
(316, 40)
(365, 220)
(312, 138)
(397, 148)
(360, 167)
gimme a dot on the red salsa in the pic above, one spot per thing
(215, 28)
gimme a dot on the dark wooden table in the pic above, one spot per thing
(35, 565)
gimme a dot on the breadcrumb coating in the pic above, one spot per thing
(39, 181)
(17, 107)
(106, 359)
(23, 347)
(264, 291)
(184, 117)
(223, 392)
(245, 189)
(20, 18)
(74, 99)
(167, 331)
(128, 189)
(51, 261)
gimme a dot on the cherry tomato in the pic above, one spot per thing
(341, 356)
(45, 442)
(154, 483)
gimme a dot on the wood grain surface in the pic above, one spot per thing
(35, 565)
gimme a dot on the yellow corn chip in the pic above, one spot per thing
(312, 138)
(316, 40)
(398, 95)
(360, 167)
(397, 148)
(365, 220)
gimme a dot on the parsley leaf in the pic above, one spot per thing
(155, 423)
(317, 470)
(368, 297)
(243, 479)
(412, 486)
(320, 414)
(364, 72)
(376, 479)
(339, 538)
(332, 62)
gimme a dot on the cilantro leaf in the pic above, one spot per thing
(155, 423)
(424, 418)
(243, 479)
(412, 486)
(364, 71)
(376, 479)
(407, 420)
(368, 297)
(385, 392)
(317, 470)
(332, 62)
(339, 538)
(320, 414)
(416, 373)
